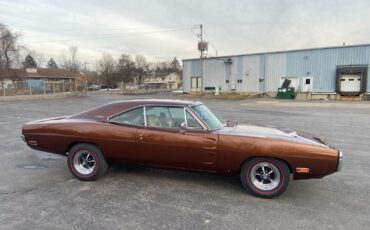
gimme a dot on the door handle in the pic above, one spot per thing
(141, 136)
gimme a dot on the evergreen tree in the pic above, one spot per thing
(29, 62)
(175, 66)
(52, 64)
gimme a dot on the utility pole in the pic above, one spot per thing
(201, 41)
(97, 75)
(201, 59)
(85, 65)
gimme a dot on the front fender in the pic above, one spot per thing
(234, 150)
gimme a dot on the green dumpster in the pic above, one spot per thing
(286, 93)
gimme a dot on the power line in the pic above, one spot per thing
(119, 28)
(129, 32)
(107, 35)
(147, 54)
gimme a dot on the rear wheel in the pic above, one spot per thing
(86, 162)
(265, 177)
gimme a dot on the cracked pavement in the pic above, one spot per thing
(38, 192)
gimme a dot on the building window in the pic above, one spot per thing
(195, 83)
(240, 81)
(227, 81)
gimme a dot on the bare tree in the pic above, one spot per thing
(73, 55)
(141, 68)
(9, 49)
(107, 67)
(159, 68)
(125, 68)
(69, 59)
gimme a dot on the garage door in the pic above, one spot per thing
(350, 83)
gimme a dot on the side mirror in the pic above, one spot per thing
(232, 123)
(183, 126)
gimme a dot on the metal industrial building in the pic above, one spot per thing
(339, 71)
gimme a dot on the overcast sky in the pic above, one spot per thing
(161, 30)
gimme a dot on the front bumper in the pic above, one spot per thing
(340, 161)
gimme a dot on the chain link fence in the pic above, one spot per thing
(28, 89)
(127, 89)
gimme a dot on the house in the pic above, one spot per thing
(42, 74)
(170, 81)
(40, 78)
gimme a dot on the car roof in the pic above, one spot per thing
(138, 102)
(103, 112)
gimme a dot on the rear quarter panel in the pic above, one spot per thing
(57, 137)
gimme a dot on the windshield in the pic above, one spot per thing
(211, 119)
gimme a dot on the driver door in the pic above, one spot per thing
(164, 143)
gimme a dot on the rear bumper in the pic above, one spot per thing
(340, 161)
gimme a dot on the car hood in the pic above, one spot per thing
(273, 133)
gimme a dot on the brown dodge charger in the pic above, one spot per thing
(182, 135)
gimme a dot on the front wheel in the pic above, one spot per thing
(86, 162)
(265, 177)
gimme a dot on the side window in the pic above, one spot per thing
(164, 117)
(158, 117)
(177, 116)
(132, 117)
(191, 122)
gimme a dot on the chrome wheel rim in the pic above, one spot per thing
(84, 162)
(265, 176)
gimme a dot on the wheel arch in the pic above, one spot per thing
(73, 143)
(277, 158)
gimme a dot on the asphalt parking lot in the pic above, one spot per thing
(38, 192)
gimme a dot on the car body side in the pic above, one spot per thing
(213, 151)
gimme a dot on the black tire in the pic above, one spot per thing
(93, 167)
(268, 186)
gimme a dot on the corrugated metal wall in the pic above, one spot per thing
(274, 69)
(186, 75)
(251, 73)
(320, 64)
(195, 68)
(214, 73)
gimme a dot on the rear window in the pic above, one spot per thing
(131, 117)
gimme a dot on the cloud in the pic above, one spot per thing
(160, 30)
